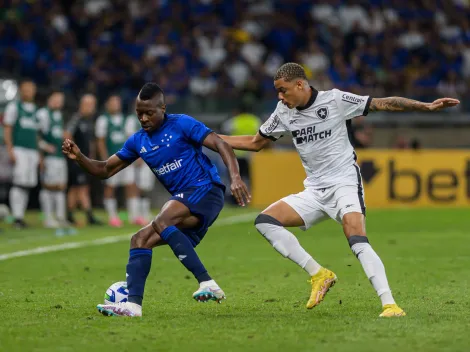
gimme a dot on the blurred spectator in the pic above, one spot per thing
(390, 47)
(203, 85)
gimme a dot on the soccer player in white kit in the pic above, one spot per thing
(21, 140)
(144, 177)
(54, 176)
(318, 123)
(111, 135)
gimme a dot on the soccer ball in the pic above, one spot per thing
(116, 293)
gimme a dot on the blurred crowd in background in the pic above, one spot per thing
(231, 48)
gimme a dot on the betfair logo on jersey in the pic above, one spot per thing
(169, 167)
(308, 134)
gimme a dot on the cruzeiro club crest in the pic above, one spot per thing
(322, 112)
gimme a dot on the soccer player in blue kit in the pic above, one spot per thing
(171, 145)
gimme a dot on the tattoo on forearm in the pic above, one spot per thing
(396, 104)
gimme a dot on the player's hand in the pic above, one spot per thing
(240, 191)
(12, 157)
(49, 148)
(70, 149)
(442, 103)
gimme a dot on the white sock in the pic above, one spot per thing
(286, 243)
(45, 198)
(60, 205)
(374, 269)
(110, 204)
(145, 205)
(18, 201)
(133, 208)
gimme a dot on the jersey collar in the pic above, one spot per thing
(312, 99)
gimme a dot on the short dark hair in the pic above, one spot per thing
(54, 90)
(150, 90)
(290, 71)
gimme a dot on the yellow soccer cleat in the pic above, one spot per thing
(392, 310)
(321, 283)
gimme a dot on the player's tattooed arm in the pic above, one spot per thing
(102, 169)
(249, 143)
(238, 187)
(404, 104)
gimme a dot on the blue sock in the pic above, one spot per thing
(138, 268)
(184, 251)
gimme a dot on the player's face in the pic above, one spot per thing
(289, 93)
(56, 101)
(87, 105)
(150, 113)
(28, 91)
(114, 105)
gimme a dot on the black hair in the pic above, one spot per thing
(150, 90)
(54, 90)
(290, 71)
(26, 80)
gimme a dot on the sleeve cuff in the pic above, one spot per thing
(266, 136)
(123, 158)
(366, 109)
(204, 136)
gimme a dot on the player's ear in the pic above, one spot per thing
(163, 108)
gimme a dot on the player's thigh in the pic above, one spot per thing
(25, 170)
(174, 213)
(128, 176)
(348, 208)
(297, 210)
(55, 171)
(145, 178)
(114, 181)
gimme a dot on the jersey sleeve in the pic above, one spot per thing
(352, 105)
(43, 120)
(128, 152)
(101, 127)
(273, 127)
(193, 129)
(11, 114)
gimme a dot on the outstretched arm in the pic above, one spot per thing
(238, 187)
(250, 143)
(404, 104)
(102, 169)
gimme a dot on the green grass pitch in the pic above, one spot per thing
(47, 300)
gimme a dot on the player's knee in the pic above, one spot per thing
(137, 240)
(353, 224)
(159, 224)
(263, 222)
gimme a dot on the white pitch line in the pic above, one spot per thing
(231, 220)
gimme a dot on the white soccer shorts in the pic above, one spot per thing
(25, 170)
(145, 178)
(316, 205)
(122, 178)
(55, 171)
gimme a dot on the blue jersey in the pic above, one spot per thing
(174, 153)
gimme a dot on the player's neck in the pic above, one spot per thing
(310, 99)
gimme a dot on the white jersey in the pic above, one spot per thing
(320, 134)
